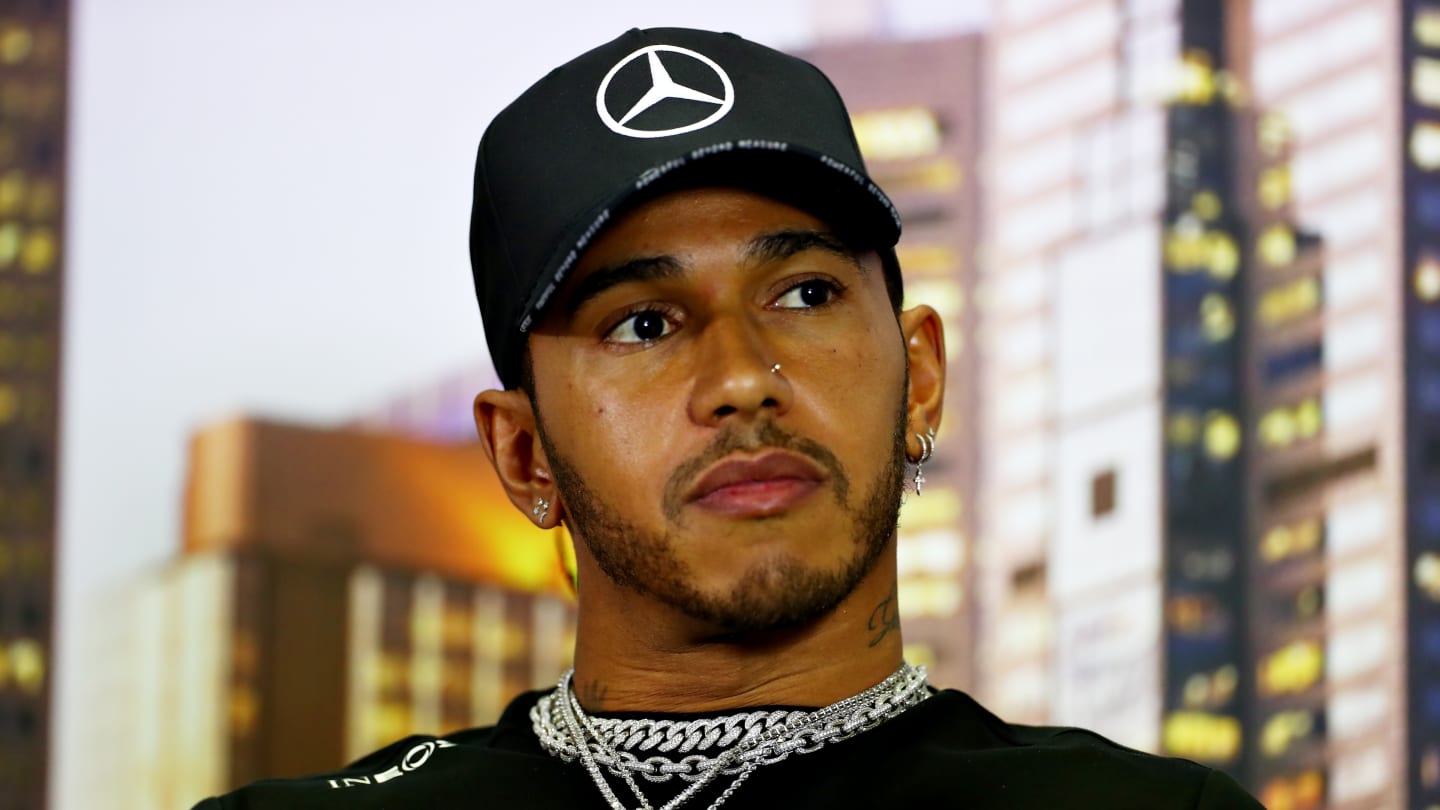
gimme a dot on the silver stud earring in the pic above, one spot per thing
(927, 450)
(541, 510)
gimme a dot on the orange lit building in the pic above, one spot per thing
(338, 590)
(33, 85)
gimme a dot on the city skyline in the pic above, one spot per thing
(1075, 450)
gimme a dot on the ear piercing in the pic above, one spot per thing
(927, 450)
(775, 369)
(541, 510)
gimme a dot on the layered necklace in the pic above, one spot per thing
(701, 751)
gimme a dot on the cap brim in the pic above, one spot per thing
(841, 195)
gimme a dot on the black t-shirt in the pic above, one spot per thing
(945, 752)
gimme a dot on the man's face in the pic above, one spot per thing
(720, 392)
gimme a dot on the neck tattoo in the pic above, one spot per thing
(741, 743)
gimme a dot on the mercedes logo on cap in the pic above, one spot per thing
(663, 89)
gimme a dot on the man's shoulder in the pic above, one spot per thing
(414, 763)
(1088, 768)
(437, 769)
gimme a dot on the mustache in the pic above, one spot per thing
(767, 435)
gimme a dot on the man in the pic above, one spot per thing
(690, 291)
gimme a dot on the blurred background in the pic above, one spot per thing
(1187, 491)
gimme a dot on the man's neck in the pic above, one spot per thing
(639, 657)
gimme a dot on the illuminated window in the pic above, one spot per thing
(38, 254)
(895, 134)
(15, 44)
(1274, 187)
(1283, 426)
(1291, 540)
(930, 596)
(1425, 81)
(1223, 257)
(927, 259)
(1102, 494)
(1277, 428)
(244, 710)
(1283, 729)
(1425, 145)
(1183, 429)
(1202, 736)
(1292, 669)
(1197, 78)
(1222, 436)
(1217, 319)
(27, 665)
(9, 243)
(1427, 575)
(1206, 205)
(1188, 248)
(1427, 279)
(1302, 791)
(1211, 690)
(1426, 27)
(920, 654)
(1276, 246)
(1275, 133)
(1192, 614)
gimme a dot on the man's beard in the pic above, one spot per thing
(772, 595)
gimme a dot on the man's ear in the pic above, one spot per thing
(925, 348)
(507, 426)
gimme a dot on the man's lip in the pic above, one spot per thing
(774, 466)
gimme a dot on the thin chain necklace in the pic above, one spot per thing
(564, 730)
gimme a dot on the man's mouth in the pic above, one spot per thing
(764, 485)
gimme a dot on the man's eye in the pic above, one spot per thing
(642, 327)
(807, 294)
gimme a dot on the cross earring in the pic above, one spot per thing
(927, 450)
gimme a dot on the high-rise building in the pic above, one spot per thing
(1277, 434)
(34, 45)
(1332, 70)
(338, 590)
(1419, 305)
(1068, 559)
(1247, 470)
(916, 111)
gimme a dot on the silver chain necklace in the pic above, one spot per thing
(749, 740)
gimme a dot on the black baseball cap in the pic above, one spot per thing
(651, 111)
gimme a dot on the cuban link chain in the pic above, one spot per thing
(753, 739)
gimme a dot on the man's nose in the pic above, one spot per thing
(738, 373)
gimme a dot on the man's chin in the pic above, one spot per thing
(769, 598)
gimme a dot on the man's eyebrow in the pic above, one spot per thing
(781, 245)
(647, 268)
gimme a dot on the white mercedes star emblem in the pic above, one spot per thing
(663, 87)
